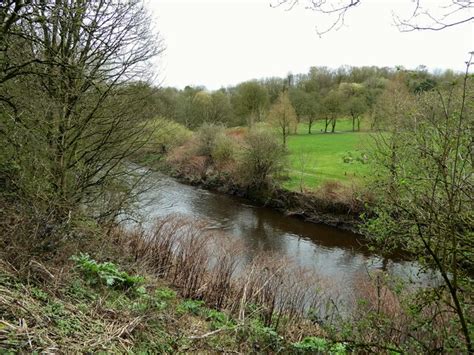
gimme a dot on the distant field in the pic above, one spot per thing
(320, 157)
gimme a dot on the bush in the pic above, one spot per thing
(262, 338)
(166, 135)
(318, 345)
(206, 138)
(261, 160)
(218, 319)
(106, 273)
(223, 149)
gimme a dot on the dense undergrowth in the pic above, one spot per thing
(133, 305)
(77, 316)
(181, 287)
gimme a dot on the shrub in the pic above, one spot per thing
(166, 135)
(165, 294)
(206, 138)
(262, 159)
(218, 319)
(260, 337)
(190, 306)
(106, 273)
(223, 150)
(319, 345)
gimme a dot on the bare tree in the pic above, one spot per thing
(81, 118)
(424, 15)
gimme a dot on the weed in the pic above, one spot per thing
(261, 337)
(39, 294)
(218, 319)
(106, 273)
(78, 290)
(189, 306)
(165, 294)
(318, 345)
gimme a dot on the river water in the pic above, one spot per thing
(334, 254)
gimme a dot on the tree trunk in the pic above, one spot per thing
(333, 125)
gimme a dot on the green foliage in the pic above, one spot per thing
(166, 135)
(424, 190)
(190, 306)
(39, 294)
(261, 160)
(106, 273)
(249, 101)
(261, 337)
(223, 149)
(165, 294)
(206, 137)
(319, 346)
(218, 319)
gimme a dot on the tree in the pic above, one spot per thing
(185, 109)
(306, 106)
(426, 161)
(425, 16)
(165, 100)
(221, 109)
(78, 123)
(282, 115)
(354, 102)
(331, 106)
(250, 101)
(274, 87)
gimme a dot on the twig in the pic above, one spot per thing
(207, 334)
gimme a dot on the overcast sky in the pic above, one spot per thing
(217, 43)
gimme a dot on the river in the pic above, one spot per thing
(337, 255)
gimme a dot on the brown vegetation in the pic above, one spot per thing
(205, 265)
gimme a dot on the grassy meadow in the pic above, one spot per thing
(320, 157)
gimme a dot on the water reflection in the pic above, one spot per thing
(335, 254)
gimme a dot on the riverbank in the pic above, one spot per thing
(328, 209)
(120, 292)
(254, 165)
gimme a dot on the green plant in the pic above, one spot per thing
(218, 319)
(39, 294)
(106, 273)
(261, 337)
(261, 160)
(223, 149)
(206, 138)
(189, 306)
(319, 345)
(165, 294)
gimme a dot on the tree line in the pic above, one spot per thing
(322, 94)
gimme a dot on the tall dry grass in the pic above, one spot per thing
(207, 264)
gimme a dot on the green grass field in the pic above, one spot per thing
(320, 157)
